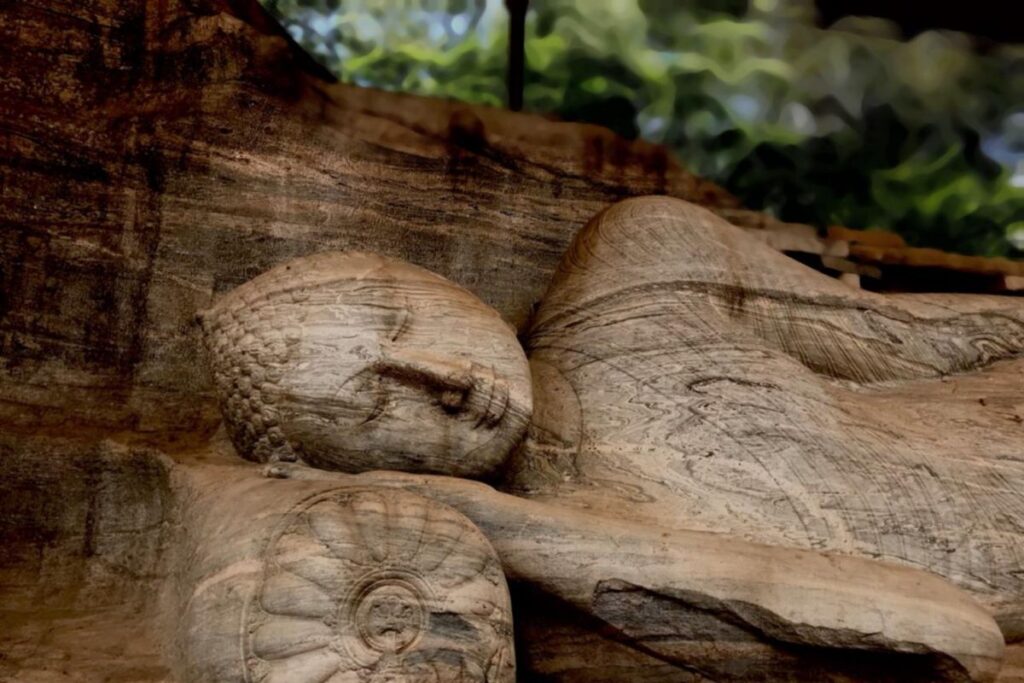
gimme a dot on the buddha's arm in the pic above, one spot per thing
(722, 607)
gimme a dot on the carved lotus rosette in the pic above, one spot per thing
(378, 585)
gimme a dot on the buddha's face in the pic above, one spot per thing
(369, 363)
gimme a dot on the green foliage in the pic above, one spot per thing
(851, 126)
(444, 48)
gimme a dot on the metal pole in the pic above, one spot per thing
(516, 51)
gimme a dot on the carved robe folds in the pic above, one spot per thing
(712, 383)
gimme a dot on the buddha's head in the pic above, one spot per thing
(356, 362)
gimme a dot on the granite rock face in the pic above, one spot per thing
(156, 155)
(719, 443)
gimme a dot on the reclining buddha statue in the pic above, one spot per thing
(709, 462)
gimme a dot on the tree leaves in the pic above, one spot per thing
(848, 125)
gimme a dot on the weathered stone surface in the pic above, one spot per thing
(312, 582)
(87, 531)
(610, 599)
(607, 599)
(119, 563)
(156, 155)
(688, 377)
(76, 517)
(358, 362)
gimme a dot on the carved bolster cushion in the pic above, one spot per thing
(315, 583)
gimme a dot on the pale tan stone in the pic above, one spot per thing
(679, 602)
(308, 582)
(654, 295)
(356, 361)
(688, 377)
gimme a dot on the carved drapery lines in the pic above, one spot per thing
(963, 341)
(826, 405)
